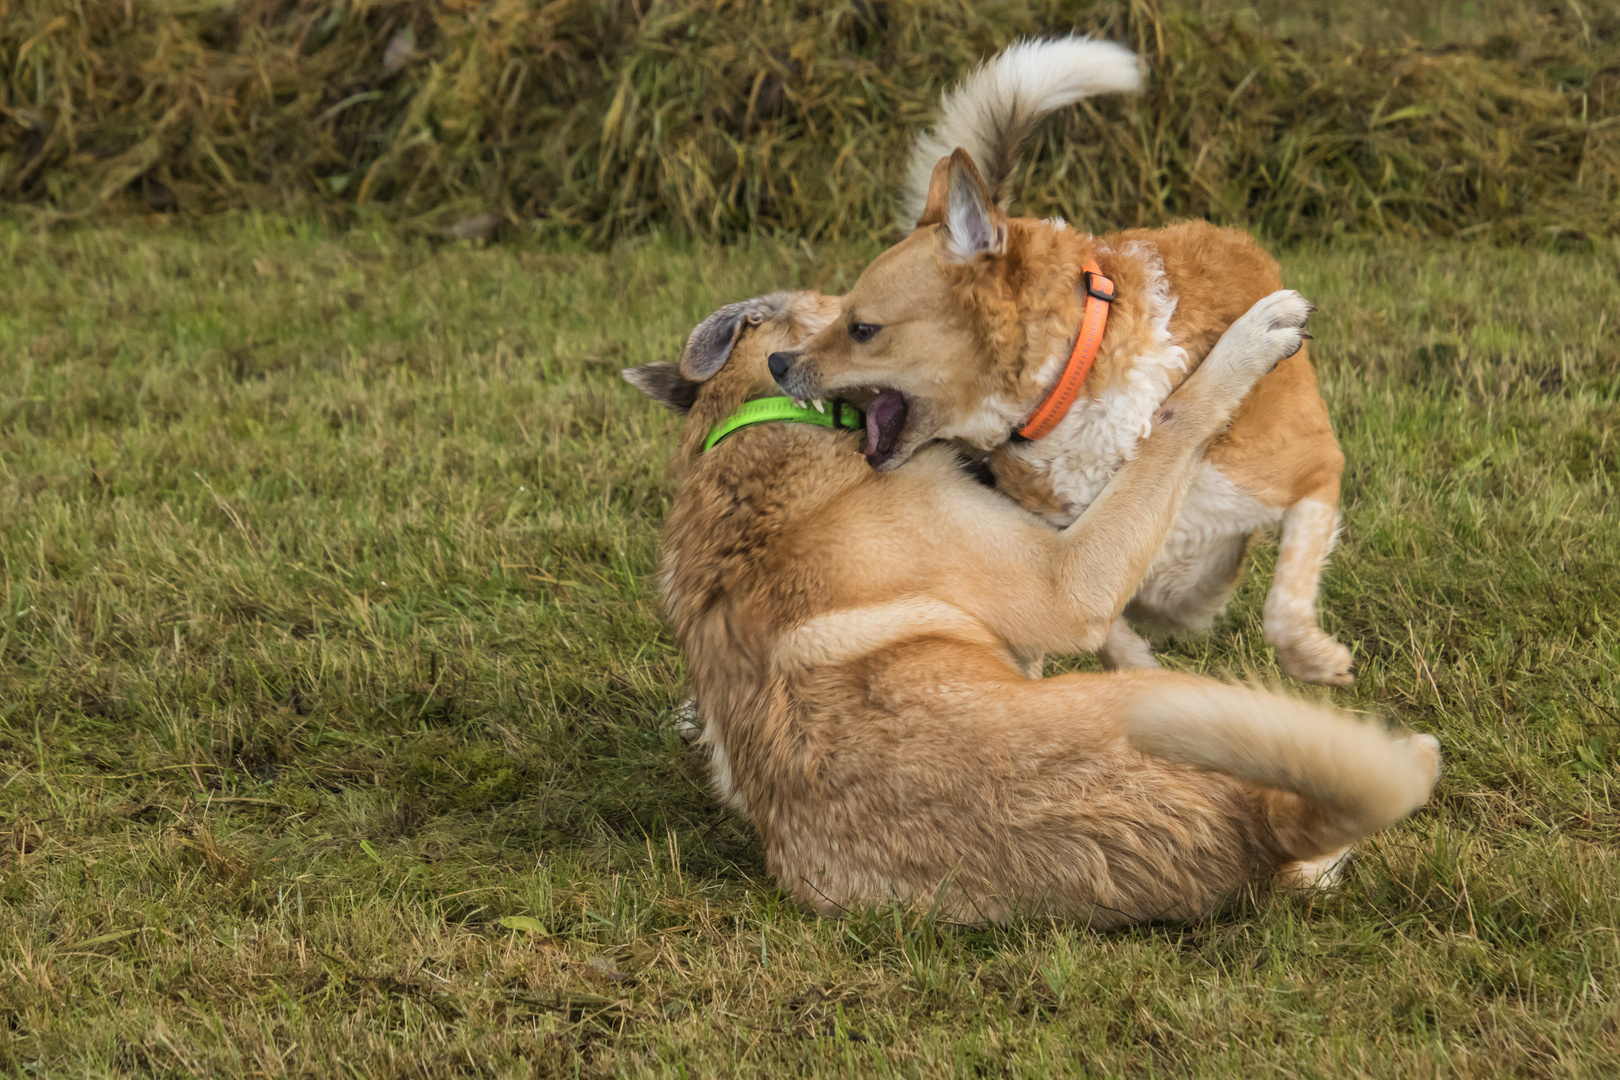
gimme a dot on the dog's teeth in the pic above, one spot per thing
(820, 408)
(799, 402)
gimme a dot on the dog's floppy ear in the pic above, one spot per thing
(665, 384)
(710, 345)
(970, 224)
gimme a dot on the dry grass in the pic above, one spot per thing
(598, 119)
(334, 700)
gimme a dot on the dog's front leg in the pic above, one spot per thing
(1107, 552)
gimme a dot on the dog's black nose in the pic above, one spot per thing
(779, 363)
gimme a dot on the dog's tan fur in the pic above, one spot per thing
(854, 639)
(978, 313)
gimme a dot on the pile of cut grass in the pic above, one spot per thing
(335, 732)
(599, 119)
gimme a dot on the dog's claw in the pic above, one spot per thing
(799, 402)
(820, 408)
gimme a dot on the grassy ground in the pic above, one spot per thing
(334, 700)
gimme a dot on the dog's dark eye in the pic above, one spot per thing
(862, 332)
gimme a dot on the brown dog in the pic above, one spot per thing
(967, 323)
(854, 638)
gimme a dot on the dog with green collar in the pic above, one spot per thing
(855, 628)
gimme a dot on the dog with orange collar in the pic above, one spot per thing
(994, 331)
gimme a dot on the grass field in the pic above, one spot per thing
(335, 731)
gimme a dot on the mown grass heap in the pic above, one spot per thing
(599, 119)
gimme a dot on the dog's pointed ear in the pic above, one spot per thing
(665, 384)
(971, 225)
(938, 186)
(709, 347)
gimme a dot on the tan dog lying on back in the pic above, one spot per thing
(973, 316)
(853, 638)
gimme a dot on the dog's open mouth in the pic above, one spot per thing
(885, 420)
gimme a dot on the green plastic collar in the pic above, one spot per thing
(840, 414)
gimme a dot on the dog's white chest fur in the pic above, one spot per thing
(1100, 434)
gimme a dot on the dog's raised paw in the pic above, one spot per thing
(1268, 333)
(1283, 309)
(1284, 313)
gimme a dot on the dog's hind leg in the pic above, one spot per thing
(1125, 649)
(1190, 584)
(1304, 650)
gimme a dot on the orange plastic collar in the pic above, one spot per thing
(1099, 295)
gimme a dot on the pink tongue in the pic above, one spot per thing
(885, 418)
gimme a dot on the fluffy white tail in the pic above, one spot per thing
(994, 109)
(1364, 775)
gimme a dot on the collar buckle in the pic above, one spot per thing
(1092, 279)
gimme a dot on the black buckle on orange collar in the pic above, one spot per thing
(1092, 290)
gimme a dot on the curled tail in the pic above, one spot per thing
(1361, 775)
(995, 108)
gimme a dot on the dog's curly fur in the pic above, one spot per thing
(979, 312)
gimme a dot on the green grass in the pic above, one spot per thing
(335, 705)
